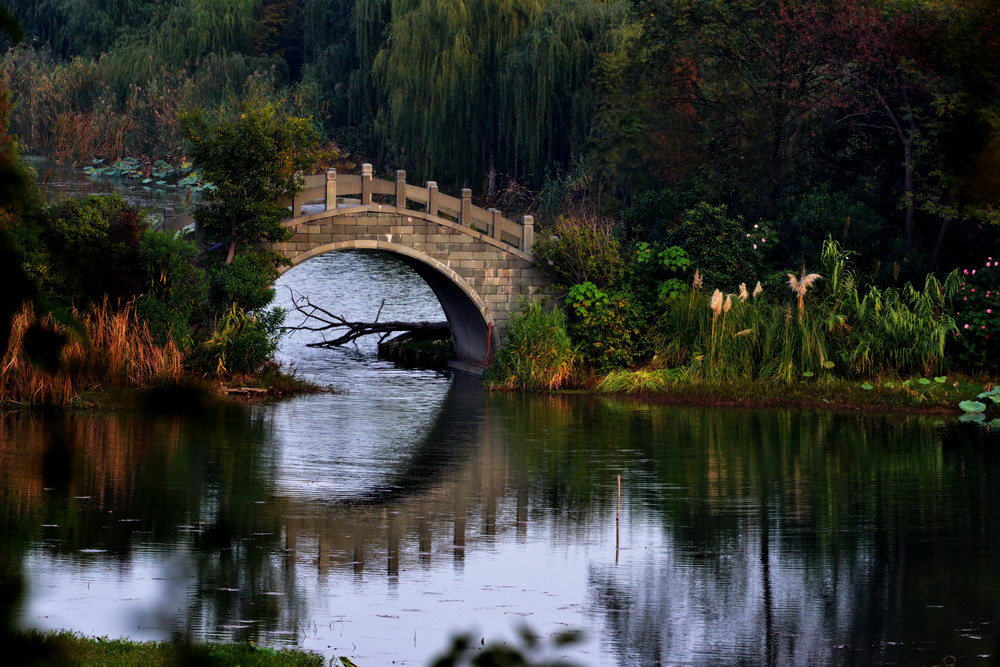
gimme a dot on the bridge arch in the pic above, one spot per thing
(478, 263)
(473, 329)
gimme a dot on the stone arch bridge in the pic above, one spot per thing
(478, 263)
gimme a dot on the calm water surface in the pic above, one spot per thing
(378, 522)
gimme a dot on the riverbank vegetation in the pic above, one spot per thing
(775, 192)
(64, 648)
(100, 302)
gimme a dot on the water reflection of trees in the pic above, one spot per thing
(797, 533)
(75, 484)
(764, 538)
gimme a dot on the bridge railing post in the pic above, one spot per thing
(331, 189)
(465, 208)
(496, 231)
(432, 198)
(366, 184)
(400, 188)
(527, 233)
(297, 200)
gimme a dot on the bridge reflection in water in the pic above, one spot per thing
(763, 538)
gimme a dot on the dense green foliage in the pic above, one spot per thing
(977, 314)
(252, 157)
(603, 325)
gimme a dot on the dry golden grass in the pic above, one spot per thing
(121, 353)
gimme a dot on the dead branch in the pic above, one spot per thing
(318, 319)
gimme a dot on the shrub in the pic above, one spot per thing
(176, 293)
(91, 249)
(581, 249)
(977, 314)
(537, 353)
(246, 282)
(652, 215)
(605, 327)
(657, 273)
(718, 246)
(810, 219)
(242, 344)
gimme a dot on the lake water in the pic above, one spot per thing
(378, 522)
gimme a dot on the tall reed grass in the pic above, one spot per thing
(820, 325)
(120, 352)
(537, 353)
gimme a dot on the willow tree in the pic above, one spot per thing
(80, 28)
(474, 87)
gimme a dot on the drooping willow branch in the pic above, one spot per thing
(319, 319)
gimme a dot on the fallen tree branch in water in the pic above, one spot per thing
(319, 319)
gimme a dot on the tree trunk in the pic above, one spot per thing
(938, 245)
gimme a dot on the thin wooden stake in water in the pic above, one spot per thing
(618, 520)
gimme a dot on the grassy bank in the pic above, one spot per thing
(940, 395)
(66, 649)
(111, 360)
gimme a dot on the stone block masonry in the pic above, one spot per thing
(479, 279)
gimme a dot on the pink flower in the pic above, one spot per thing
(989, 311)
(973, 272)
(966, 272)
(966, 326)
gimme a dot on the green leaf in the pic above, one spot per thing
(972, 406)
(828, 364)
(924, 381)
(808, 374)
(940, 379)
(867, 386)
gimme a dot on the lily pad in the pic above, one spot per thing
(924, 381)
(972, 406)
(940, 379)
(808, 374)
(867, 386)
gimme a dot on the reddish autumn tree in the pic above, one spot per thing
(873, 51)
(733, 93)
